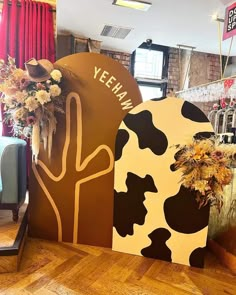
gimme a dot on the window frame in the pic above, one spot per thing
(159, 84)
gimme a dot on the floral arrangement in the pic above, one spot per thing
(206, 168)
(224, 105)
(30, 100)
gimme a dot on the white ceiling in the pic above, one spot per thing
(167, 22)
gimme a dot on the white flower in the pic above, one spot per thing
(18, 74)
(55, 90)
(56, 75)
(42, 96)
(19, 114)
(31, 103)
(20, 96)
(8, 100)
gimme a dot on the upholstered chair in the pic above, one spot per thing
(13, 174)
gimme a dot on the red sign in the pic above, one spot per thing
(230, 22)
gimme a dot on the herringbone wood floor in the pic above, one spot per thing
(8, 228)
(52, 268)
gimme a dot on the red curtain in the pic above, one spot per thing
(26, 31)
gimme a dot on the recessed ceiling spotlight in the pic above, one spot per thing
(135, 4)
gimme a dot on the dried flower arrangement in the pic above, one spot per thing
(206, 168)
(30, 100)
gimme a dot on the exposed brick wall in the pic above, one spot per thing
(204, 68)
(121, 57)
(198, 72)
(173, 69)
(214, 72)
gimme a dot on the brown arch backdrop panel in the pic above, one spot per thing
(71, 196)
(154, 215)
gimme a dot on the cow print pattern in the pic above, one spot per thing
(121, 140)
(203, 135)
(158, 248)
(171, 226)
(197, 257)
(193, 113)
(128, 206)
(186, 209)
(148, 135)
(176, 156)
(158, 99)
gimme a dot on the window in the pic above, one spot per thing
(150, 69)
(149, 92)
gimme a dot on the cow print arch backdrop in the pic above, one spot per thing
(154, 215)
(71, 196)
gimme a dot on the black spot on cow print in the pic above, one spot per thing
(172, 167)
(148, 135)
(202, 135)
(121, 140)
(128, 206)
(158, 249)
(157, 99)
(176, 156)
(193, 113)
(197, 257)
(182, 212)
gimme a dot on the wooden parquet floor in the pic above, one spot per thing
(52, 268)
(9, 228)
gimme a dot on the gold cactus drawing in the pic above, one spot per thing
(79, 166)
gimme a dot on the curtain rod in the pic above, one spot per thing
(18, 4)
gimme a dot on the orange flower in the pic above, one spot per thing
(217, 155)
(205, 168)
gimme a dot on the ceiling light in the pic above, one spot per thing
(135, 4)
(215, 17)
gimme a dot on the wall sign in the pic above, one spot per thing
(72, 196)
(230, 22)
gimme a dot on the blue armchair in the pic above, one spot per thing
(13, 174)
